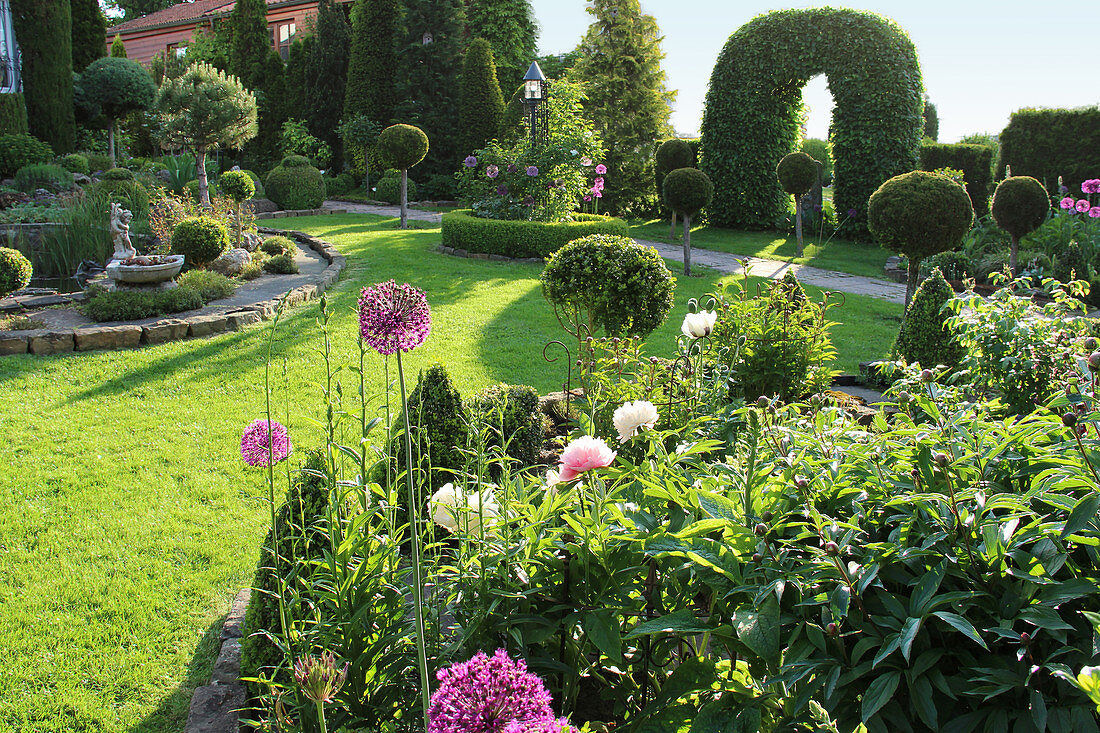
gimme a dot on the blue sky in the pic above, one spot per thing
(981, 59)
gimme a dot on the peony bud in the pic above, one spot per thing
(831, 629)
(757, 557)
(1069, 419)
(832, 549)
(926, 375)
(761, 529)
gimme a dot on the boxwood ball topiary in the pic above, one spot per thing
(15, 271)
(296, 187)
(687, 190)
(118, 174)
(675, 154)
(237, 185)
(201, 240)
(296, 161)
(402, 146)
(797, 173)
(1020, 205)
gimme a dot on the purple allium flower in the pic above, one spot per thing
(1064, 189)
(532, 171)
(1083, 205)
(319, 678)
(601, 169)
(492, 171)
(598, 183)
(470, 161)
(852, 213)
(393, 317)
(597, 193)
(1094, 212)
(491, 695)
(512, 168)
(529, 200)
(502, 190)
(1067, 202)
(256, 441)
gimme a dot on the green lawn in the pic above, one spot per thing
(127, 519)
(855, 258)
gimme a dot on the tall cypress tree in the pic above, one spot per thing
(326, 71)
(43, 29)
(372, 63)
(509, 27)
(430, 59)
(620, 65)
(89, 33)
(481, 106)
(251, 42)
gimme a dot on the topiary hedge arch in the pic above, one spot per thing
(754, 104)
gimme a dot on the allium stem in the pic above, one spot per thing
(414, 536)
(321, 717)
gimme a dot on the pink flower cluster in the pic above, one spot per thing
(393, 317)
(492, 695)
(261, 446)
(1081, 206)
(1092, 185)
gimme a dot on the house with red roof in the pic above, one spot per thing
(171, 30)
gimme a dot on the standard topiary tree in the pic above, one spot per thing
(918, 214)
(1020, 206)
(608, 282)
(687, 191)
(402, 147)
(238, 186)
(924, 336)
(480, 104)
(118, 87)
(89, 30)
(205, 109)
(201, 240)
(15, 271)
(43, 29)
(672, 155)
(797, 173)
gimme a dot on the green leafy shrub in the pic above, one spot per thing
(389, 190)
(295, 187)
(97, 161)
(463, 230)
(953, 265)
(118, 174)
(19, 150)
(976, 163)
(53, 178)
(237, 185)
(1070, 264)
(918, 214)
(439, 421)
(821, 151)
(297, 142)
(281, 265)
(1047, 143)
(15, 271)
(610, 283)
(209, 285)
(278, 245)
(1020, 206)
(797, 173)
(296, 161)
(13, 114)
(924, 336)
(754, 107)
(509, 418)
(133, 305)
(191, 188)
(402, 146)
(339, 185)
(996, 263)
(200, 240)
(75, 163)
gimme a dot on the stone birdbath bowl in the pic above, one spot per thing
(145, 269)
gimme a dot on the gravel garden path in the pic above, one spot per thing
(720, 261)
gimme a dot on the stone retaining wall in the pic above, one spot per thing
(298, 212)
(171, 329)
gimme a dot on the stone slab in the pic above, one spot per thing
(161, 332)
(207, 325)
(240, 319)
(227, 667)
(53, 342)
(214, 709)
(107, 337)
(13, 342)
(233, 628)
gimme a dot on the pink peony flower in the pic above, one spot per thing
(1083, 206)
(601, 169)
(584, 454)
(492, 171)
(256, 441)
(1094, 212)
(586, 161)
(1067, 202)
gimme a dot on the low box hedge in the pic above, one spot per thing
(463, 230)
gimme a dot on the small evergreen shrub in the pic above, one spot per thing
(15, 271)
(19, 150)
(797, 173)
(98, 161)
(389, 190)
(1070, 264)
(953, 265)
(119, 174)
(281, 265)
(296, 161)
(610, 283)
(509, 417)
(237, 185)
(278, 245)
(13, 114)
(51, 177)
(200, 240)
(210, 285)
(296, 187)
(439, 419)
(924, 337)
(518, 238)
(75, 163)
(339, 185)
(260, 193)
(402, 146)
(132, 305)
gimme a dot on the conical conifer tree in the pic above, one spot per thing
(88, 34)
(509, 27)
(372, 61)
(326, 71)
(481, 106)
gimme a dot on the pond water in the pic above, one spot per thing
(60, 284)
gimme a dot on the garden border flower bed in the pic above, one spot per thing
(205, 323)
(465, 233)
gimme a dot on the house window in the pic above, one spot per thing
(9, 52)
(177, 50)
(282, 35)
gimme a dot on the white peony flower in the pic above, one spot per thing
(552, 479)
(455, 510)
(698, 325)
(631, 417)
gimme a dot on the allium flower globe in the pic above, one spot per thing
(601, 169)
(582, 455)
(598, 183)
(1083, 205)
(1094, 212)
(532, 171)
(393, 317)
(259, 448)
(698, 325)
(319, 678)
(1067, 202)
(502, 190)
(512, 168)
(470, 162)
(492, 171)
(492, 695)
(456, 511)
(631, 417)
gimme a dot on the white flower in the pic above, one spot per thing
(456, 510)
(552, 479)
(632, 417)
(574, 153)
(698, 325)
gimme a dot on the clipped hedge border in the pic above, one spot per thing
(465, 233)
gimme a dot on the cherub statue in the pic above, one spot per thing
(120, 233)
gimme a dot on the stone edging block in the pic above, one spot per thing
(483, 256)
(215, 708)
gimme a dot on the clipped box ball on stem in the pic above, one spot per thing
(797, 173)
(238, 186)
(1020, 206)
(687, 191)
(919, 214)
(672, 155)
(402, 147)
